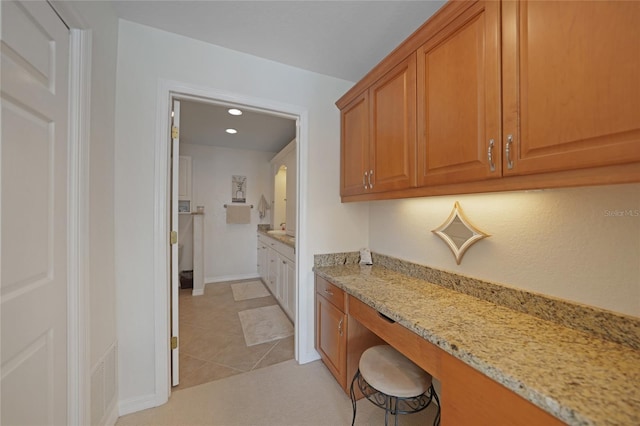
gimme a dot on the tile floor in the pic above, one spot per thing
(212, 344)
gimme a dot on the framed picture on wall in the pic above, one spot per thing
(239, 189)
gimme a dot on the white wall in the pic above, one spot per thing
(563, 242)
(101, 20)
(230, 250)
(145, 56)
(559, 242)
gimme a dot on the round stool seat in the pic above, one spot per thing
(390, 372)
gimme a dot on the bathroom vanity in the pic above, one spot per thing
(277, 268)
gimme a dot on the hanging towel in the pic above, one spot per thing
(263, 206)
(238, 214)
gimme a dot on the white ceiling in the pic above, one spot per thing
(205, 124)
(342, 39)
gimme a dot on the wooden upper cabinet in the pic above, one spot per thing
(571, 84)
(378, 140)
(392, 106)
(459, 99)
(493, 96)
(354, 158)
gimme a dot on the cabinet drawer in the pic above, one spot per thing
(282, 248)
(330, 292)
(424, 354)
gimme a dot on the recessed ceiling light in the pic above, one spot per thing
(234, 111)
(231, 131)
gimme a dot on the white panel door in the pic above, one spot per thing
(33, 262)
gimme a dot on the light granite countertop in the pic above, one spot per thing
(574, 375)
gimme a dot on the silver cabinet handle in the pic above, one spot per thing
(492, 165)
(364, 180)
(370, 175)
(507, 150)
(340, 330)
(329, 292)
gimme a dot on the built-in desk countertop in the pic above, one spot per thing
(576, 376)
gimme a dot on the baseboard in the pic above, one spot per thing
(224, 278)
(308, 357)
(136, 404)
(197, 292)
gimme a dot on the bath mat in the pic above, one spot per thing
(265, 324)
(249, 290)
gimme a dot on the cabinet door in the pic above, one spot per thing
(281, 284)
(331, 340)
(184, 178)
(392, 144)
(291, 290)
(272, 270)
(571, 84)
(292, 196)
(354, 140)
(459, 99)
(262, 262)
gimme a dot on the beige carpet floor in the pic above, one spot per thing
(278, 395)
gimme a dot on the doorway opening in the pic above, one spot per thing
(222, 282)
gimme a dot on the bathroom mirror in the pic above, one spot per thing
(458, 233)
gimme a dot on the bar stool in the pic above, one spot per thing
(392, 382)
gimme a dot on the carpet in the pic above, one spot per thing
(265, 324)
(249, 290)
(312, 397)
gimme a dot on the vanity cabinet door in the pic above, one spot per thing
(262, 261)
(273, 271)
(289, 278)
(571, 85)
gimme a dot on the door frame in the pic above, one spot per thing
(78, 302)
(166, 92)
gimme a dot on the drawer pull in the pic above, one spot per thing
(340, 330)
(386, 318)
(329, 292)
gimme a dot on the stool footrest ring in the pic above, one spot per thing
(393, 404)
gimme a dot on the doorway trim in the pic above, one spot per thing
(78, 167)
(167, 90)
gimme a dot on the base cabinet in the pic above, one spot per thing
(340, 339)
(331, 338)
(277, 269)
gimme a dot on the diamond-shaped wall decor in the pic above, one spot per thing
(458, 233)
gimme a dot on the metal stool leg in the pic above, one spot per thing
(353, 397)
(386, 410)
